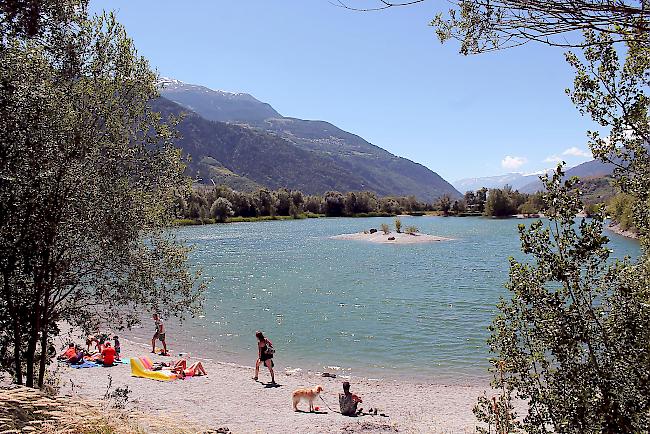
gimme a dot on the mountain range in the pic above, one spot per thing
(531, 183)
(235, 139)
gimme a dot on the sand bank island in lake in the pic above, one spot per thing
(391, 238)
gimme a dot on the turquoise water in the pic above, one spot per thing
(371, 310)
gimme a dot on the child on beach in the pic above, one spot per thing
(265, 353)
(117, 347)
(159, 334)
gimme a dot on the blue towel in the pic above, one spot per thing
(85, 364)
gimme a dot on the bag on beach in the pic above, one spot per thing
(268, 348)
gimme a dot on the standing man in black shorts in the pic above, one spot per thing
(159, 334)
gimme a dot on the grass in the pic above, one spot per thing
(23, 409)
(266, 218)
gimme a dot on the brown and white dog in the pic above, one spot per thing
(307, 394)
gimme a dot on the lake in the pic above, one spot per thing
(372, 310)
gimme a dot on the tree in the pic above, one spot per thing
(283, 201)
(444, 204)
(266, 203)
(334, 204)
(458, 207)
(616, 95)
(221, 209)
(488, 25)
(313, 204)
(498, 203)
(481, 198)
(574, 339)
(350, 203)
(88, 182)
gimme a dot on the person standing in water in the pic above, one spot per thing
(265, 353)
(159, 334)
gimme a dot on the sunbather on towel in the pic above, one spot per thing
(195, 370)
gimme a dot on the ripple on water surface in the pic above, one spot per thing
(416, 310)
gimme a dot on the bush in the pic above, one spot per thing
(385, 228)
(398, 225)
(221, 209)
(411, 230)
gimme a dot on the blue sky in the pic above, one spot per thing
(381, 75)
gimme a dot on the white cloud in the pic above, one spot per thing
(577, 152)
(553, 159)
(512, 163)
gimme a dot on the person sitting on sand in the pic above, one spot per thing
(78, 358)
(69, 353)
(265, 353)
(107, 355)
(348, 401)
(159, 334)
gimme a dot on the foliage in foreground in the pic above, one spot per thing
(88, 178)
(573, 342)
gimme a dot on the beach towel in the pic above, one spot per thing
(140, 367)
(85, 364)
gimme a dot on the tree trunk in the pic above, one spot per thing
(17, 345)
(43, 361)
(29, 357)
(17, 339)
(34, 334)
(44, 331)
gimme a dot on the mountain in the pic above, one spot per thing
(243, 140)
(589, 169)
(246, 159)
(515, 180)
(219, 106)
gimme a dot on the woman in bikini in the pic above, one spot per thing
(195, 370)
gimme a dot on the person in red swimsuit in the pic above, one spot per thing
(195, 370)
(108, 355)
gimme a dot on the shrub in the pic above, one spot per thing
(221, 209)
(398, 225)
(411, 230)
(385, 228)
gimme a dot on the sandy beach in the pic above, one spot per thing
(398, 238)
(229, 397)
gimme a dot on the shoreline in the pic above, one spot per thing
(616, 228)
(209, 221)
(391, 238)
(228, 396)
(245, 359)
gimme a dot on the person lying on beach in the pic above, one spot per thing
(195, 370)
(180, 368)
(69, 353)
(265, 353)
(348, 401)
